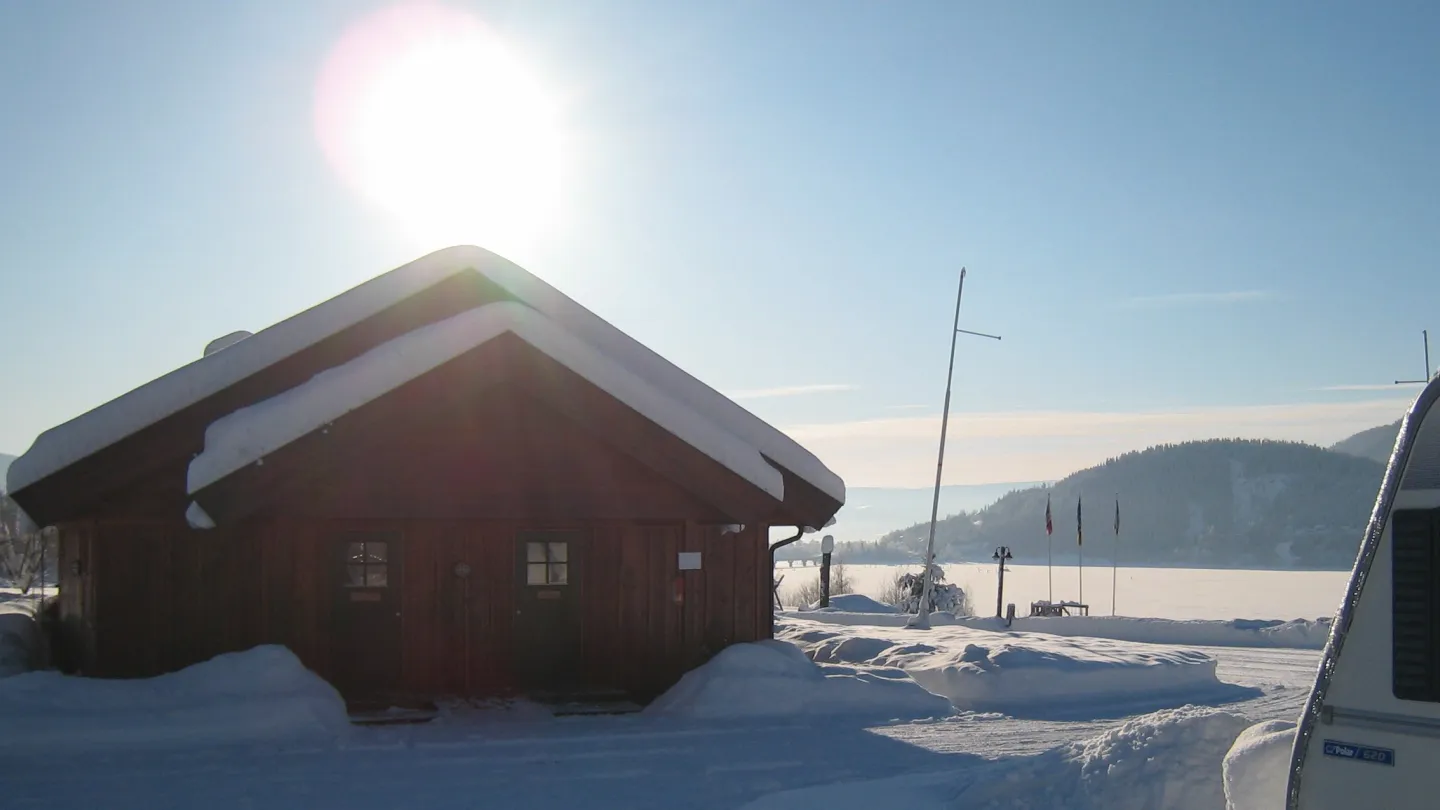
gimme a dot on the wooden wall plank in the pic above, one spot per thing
(279, 567)
(168, 654)
(719, 590)
(634, 566)
(601, 607)
(745, 551)
(418, 607)
(765, 585)
(693, 611)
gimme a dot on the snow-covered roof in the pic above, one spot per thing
(91, 432)
(250, 434)
(61, 446)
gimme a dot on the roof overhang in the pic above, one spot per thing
(74, 465)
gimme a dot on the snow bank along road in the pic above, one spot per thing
(514, 759)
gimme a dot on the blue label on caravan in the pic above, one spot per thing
(1363, 753)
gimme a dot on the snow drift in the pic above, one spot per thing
(1257, 768)
(775, 678)
(1168, 760)
(262, 695)
(854, 603)
(1014, 672)
(1304, 634)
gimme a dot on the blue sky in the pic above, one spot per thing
(1187, 220)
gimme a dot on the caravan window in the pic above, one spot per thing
(1415, 577)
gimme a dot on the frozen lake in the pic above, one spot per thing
(1166, 593)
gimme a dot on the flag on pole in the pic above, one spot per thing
(1117, 517)
(1079, 530)
(1049, 526)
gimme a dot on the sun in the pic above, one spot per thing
(428, 114)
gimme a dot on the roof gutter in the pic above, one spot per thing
(774, 547)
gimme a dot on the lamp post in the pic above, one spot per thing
(827, 547)
(1001, 555)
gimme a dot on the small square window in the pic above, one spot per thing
(559, 552)
(535, 552)
(559, 572)
(367, 564)
(535, 574)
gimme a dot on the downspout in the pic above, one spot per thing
(799, 532)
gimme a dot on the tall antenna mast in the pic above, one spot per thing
(922, 618)
(1425, 336)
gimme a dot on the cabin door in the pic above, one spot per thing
(547, 615)
(367, 614)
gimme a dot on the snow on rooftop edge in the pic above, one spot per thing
(67, 443)
(102, 426)
(249, 434)
(668, 377)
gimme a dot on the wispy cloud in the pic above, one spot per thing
(1360, 387)
(907, 407)
(1048, 445)
(793, 391)
(1196, 299)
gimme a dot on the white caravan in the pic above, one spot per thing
(1369, 738)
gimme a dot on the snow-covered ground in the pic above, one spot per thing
(1166, 593)
(263, 695)
(686, 752)
(1022, 674)
(1307, 634)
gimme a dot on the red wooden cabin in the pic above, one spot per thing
(450, 480)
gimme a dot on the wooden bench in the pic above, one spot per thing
(1044, 608)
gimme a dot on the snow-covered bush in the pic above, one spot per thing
(22, 551)
(909, 589)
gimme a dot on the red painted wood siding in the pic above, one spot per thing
(155, 597)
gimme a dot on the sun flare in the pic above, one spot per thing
(429, 115)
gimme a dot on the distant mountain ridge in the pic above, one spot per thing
(1377, 443)
(4, 468)
(871, 512)
(1223, 502)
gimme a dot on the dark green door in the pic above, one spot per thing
(547, 615)
(366, 649)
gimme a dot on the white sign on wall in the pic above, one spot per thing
(689, 561)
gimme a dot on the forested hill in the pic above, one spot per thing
(1224, 502)
(1377, 443)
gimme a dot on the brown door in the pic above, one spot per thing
(367, 615)
(547, 616)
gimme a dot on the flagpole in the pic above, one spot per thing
(1049, 552)
(1115, 563)
(1080, 545)
(922, 617)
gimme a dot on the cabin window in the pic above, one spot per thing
(1415, 614)
(367, 564)
(547, 563)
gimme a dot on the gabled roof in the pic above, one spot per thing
(67, 444)
(250, 434)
